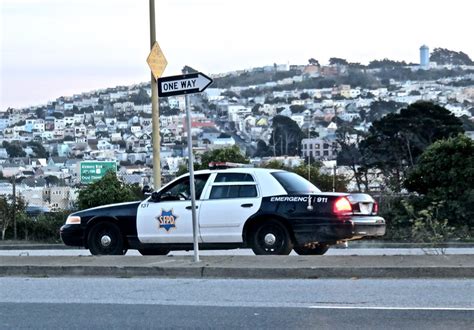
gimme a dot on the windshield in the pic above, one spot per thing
(295, 184)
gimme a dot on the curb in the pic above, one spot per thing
(246, 267)
(241, 273)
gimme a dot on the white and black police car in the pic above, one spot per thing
(269, 211)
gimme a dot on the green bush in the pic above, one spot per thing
(43, 228)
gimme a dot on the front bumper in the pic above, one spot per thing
(72, 235)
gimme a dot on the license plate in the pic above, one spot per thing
(365, 208)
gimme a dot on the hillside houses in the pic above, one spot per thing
(116, 123)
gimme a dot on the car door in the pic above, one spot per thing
(167, 218)
(230, 200)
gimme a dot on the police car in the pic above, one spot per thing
(270, 211)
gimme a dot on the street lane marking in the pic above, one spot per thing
(396, 308)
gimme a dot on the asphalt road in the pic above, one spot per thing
(75, 303)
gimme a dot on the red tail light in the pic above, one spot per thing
(342, 206)
(375, 208)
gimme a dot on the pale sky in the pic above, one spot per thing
(53, 48)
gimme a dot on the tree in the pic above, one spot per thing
(231, 154)
(40, 113)
(14, 149)
(255, 108)
(379, 109)
(9, 210)
(350, 155)
(446, 56)
(445, 173)
(395, 142)
(286, 136)
(262, 149)
(141, 97)
(386, 63)
(337, 61)
(109, 189)
(304, 96)
(313, 61)
(38, 149)
(296, 108)
(52, 180)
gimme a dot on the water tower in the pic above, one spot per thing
(424, 57)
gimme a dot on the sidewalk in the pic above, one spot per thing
(257, 267)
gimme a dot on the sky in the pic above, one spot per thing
(53, 48)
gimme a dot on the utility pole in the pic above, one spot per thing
(155, 108)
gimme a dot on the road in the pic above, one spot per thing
(74, 303)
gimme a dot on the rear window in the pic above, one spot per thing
(295, 184)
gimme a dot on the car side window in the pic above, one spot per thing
(180, 190)
(234, 177)
(234, 191)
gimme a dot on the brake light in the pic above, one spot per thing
(342, 206)
(375, 208)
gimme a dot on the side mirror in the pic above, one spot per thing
(147, 190)
(155, 196)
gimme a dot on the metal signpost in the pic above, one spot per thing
(157, 62)
(179, 85)
(91, 171)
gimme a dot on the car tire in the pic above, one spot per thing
(154, 252)
(105, 238)
(271, 237)
(316, 250)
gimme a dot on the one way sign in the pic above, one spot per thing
(183, 84)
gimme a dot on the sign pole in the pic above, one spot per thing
(155, 109)
(191, 180)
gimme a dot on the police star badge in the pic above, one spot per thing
(167, 220)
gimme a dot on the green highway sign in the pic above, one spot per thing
(94, 170)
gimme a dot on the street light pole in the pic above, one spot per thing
(155, 108)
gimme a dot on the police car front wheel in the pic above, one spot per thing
(105, 238)
(271, 237)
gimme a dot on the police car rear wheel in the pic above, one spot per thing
(271, 237)
(154, 252)
(318, 249)
(105, 238)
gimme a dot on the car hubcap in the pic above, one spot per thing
(270, 239)
(105, 240)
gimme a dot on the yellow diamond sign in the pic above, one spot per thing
(156, 61)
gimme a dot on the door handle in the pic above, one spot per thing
(190, 207)
(247, 205)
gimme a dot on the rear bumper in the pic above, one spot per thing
(72, 235)
(354, 228)
(368, 226)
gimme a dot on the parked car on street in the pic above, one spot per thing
(270, 211)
